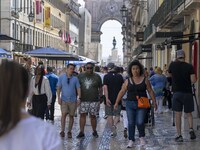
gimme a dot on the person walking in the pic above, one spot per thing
(183, 77)
(135, 85)
(158, 81)
(40, 95)
(91, 95)
(53, 80)
(31, 72)
(68, 91)
(112, 85)
(18, 129)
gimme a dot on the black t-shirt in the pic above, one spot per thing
(90, 84)
(181, 72)
(114, 83)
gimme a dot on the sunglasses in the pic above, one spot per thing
(89, 68)
(68, 79)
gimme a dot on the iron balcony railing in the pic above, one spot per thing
(167, 9)
(23, 47)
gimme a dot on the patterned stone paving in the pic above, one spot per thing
(159, 137)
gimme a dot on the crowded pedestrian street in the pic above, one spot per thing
(159, 137)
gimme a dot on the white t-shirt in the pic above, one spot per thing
(31, 134)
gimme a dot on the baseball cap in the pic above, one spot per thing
(180, 54)
(110, 66)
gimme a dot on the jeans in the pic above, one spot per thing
(51, 116)
(136, 117)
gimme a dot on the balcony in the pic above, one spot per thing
(23, 47)
(164, 17)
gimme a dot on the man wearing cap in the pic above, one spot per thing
(112, 85)
(183, 77)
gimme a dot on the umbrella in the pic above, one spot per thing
(6, 37)
(52, 54)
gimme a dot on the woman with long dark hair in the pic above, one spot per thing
(40, 92)
(19, 130)
(135, 85)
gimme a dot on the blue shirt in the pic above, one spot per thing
(53, 80)
(68, 87)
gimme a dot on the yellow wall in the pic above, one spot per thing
(160, 2)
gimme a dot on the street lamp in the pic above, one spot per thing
(31, 17)
(75, 41)
(60, 33)
(124, 11)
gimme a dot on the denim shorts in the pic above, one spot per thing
(182, 101)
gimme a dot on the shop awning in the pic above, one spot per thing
(83, 60)
(7, 38)
(142, 48)
(52, 54)
(160, 37)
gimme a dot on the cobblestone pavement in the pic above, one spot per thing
(161, 136)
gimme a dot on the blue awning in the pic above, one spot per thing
(2, 51)
(5, 54)
(83, 60)
(52, 54)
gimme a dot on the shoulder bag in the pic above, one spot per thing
(143, 102)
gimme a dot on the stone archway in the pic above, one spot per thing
(102, 11)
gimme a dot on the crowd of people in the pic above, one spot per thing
(38, 88)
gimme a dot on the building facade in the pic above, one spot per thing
(85, 32)
(48, 19)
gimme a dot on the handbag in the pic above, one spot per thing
(143, 102)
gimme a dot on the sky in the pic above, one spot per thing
(110, 29)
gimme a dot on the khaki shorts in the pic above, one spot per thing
(69, 108)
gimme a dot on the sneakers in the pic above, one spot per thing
(95, 134)
(69, 135)
(167, 110)
(142, 141)
(130, 144)
(80, 135)
(105, 117)
(179, 138)
(192, 134)
(113, 131)
(125, 133)
(62, 134)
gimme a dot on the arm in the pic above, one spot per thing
(48, 91)
(121, 92)
(151, 93)
(58, 95)
(193, 78)
(30, 95)
(105, 89)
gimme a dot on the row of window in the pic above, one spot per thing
(34, 37)
(25, 6)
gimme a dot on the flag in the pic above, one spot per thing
(68, 38)
(63, 35)
(39, 11)
(47, 19)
